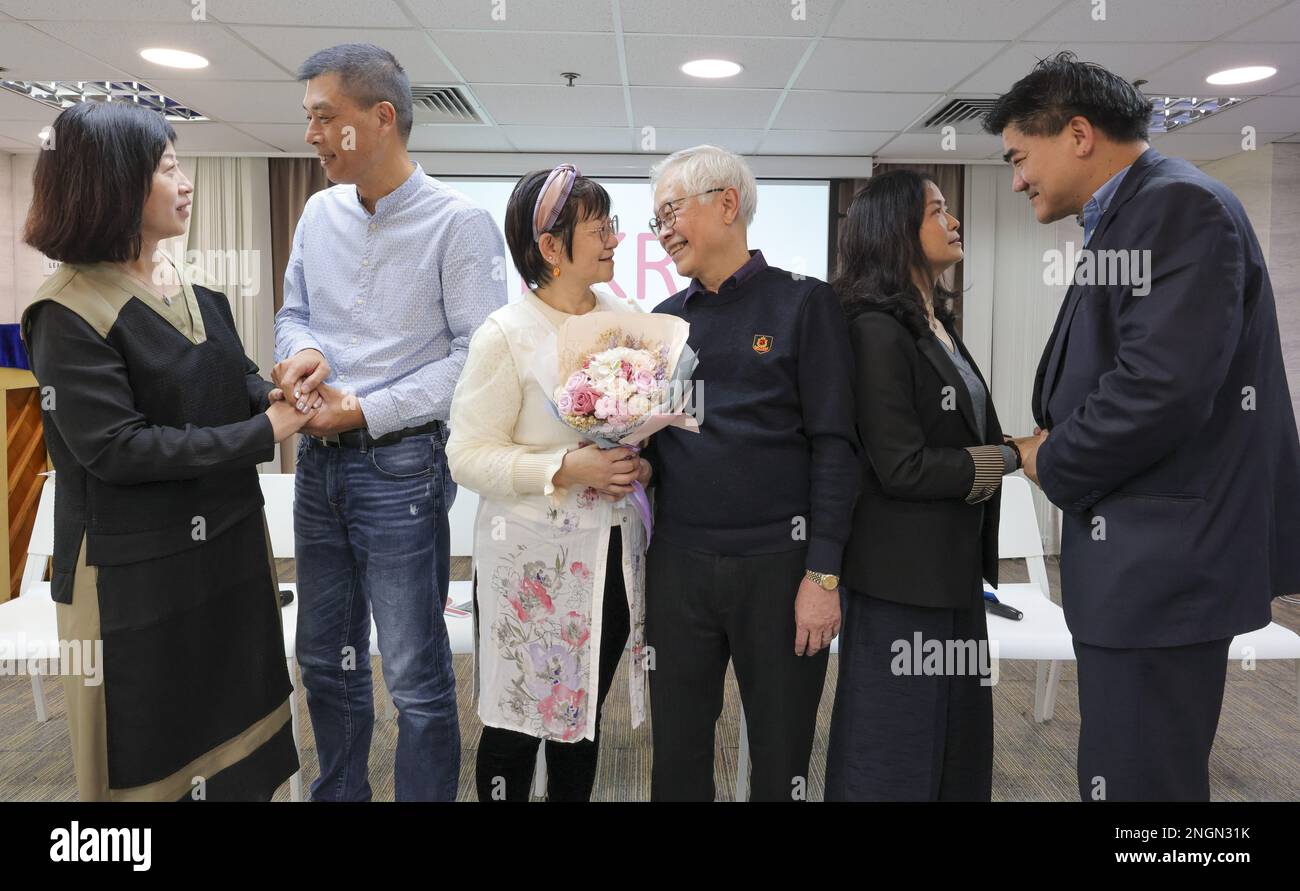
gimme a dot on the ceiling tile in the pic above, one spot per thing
(683, 107)
(25, 134)
(307, 13)
(286, 137)
(290, 47)
(424, 137)
(78, 11)
(120, 45)
(1129, 60)
(593, 106)
(512, 57)
(1186, 76)
(457, 138)
(822, 142)
(742, 142)
(253, 101)
(1205, 146)
(1155, 21)
(515, 15)
(939, 19)
(30, 54)
(927, 146)
(657, 60)
(19, 108)
(885, 66)
(210, 136)
(1284, 24)
(779, 18)
(818, 110)
(572, 140)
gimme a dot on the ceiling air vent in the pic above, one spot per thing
(964, 115)
(443, 105)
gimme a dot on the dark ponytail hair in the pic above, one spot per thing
(880, 250)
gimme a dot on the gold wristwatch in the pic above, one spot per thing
(824, 580)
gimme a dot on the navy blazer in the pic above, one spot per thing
(1173, 448)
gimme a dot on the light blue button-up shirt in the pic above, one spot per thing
(1100, 200)
(392, 299)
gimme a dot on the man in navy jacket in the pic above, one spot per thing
(1166, 430)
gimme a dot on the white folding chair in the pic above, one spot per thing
(1047, 640)
(28, 623)
(277, 492)
(1041, 635)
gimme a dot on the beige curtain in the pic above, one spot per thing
(951, 180)
(291, 182)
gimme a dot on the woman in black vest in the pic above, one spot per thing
(910, 724)
(155, 421)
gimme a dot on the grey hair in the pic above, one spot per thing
(704, 167)
(369, 74)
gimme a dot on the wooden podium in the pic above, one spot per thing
(25, 459)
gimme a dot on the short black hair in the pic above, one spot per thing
(92, 180)
(587, 199)
(369, 74)
(1060, 87)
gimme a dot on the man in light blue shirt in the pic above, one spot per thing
(390, 275)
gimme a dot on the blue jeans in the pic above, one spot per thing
(372, 534)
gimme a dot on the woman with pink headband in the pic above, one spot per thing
(558, 583)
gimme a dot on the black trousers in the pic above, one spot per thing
(701, 610)
(1147, 720)
(570, 767)
(899, 734)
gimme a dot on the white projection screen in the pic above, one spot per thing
(790, 228)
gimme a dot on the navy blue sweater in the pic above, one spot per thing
(774, 466)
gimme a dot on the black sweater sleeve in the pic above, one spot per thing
(889, 422)
(826, 397)
(84, 382)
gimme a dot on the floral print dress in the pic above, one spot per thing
(540, 560)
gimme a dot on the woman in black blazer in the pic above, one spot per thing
(913, 717)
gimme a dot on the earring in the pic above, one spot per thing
(555, 271)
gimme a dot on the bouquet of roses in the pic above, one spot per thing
(617, 378)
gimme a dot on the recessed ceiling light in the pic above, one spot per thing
(1241, 75)
(712, 68)
(173, 58)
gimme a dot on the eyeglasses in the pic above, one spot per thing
(658, 223)
(607, 228)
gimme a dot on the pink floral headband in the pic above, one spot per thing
(550, 200)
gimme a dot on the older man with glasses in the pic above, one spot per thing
(752, 512)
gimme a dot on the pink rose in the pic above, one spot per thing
(645, 381)
(564, 403)
(584, 401)
(576, 381)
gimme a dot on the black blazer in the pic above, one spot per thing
(1173, 447)
(915, 537)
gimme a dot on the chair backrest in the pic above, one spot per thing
(1018, 535)
(40, 547)
(277, 492)
(461, 518)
